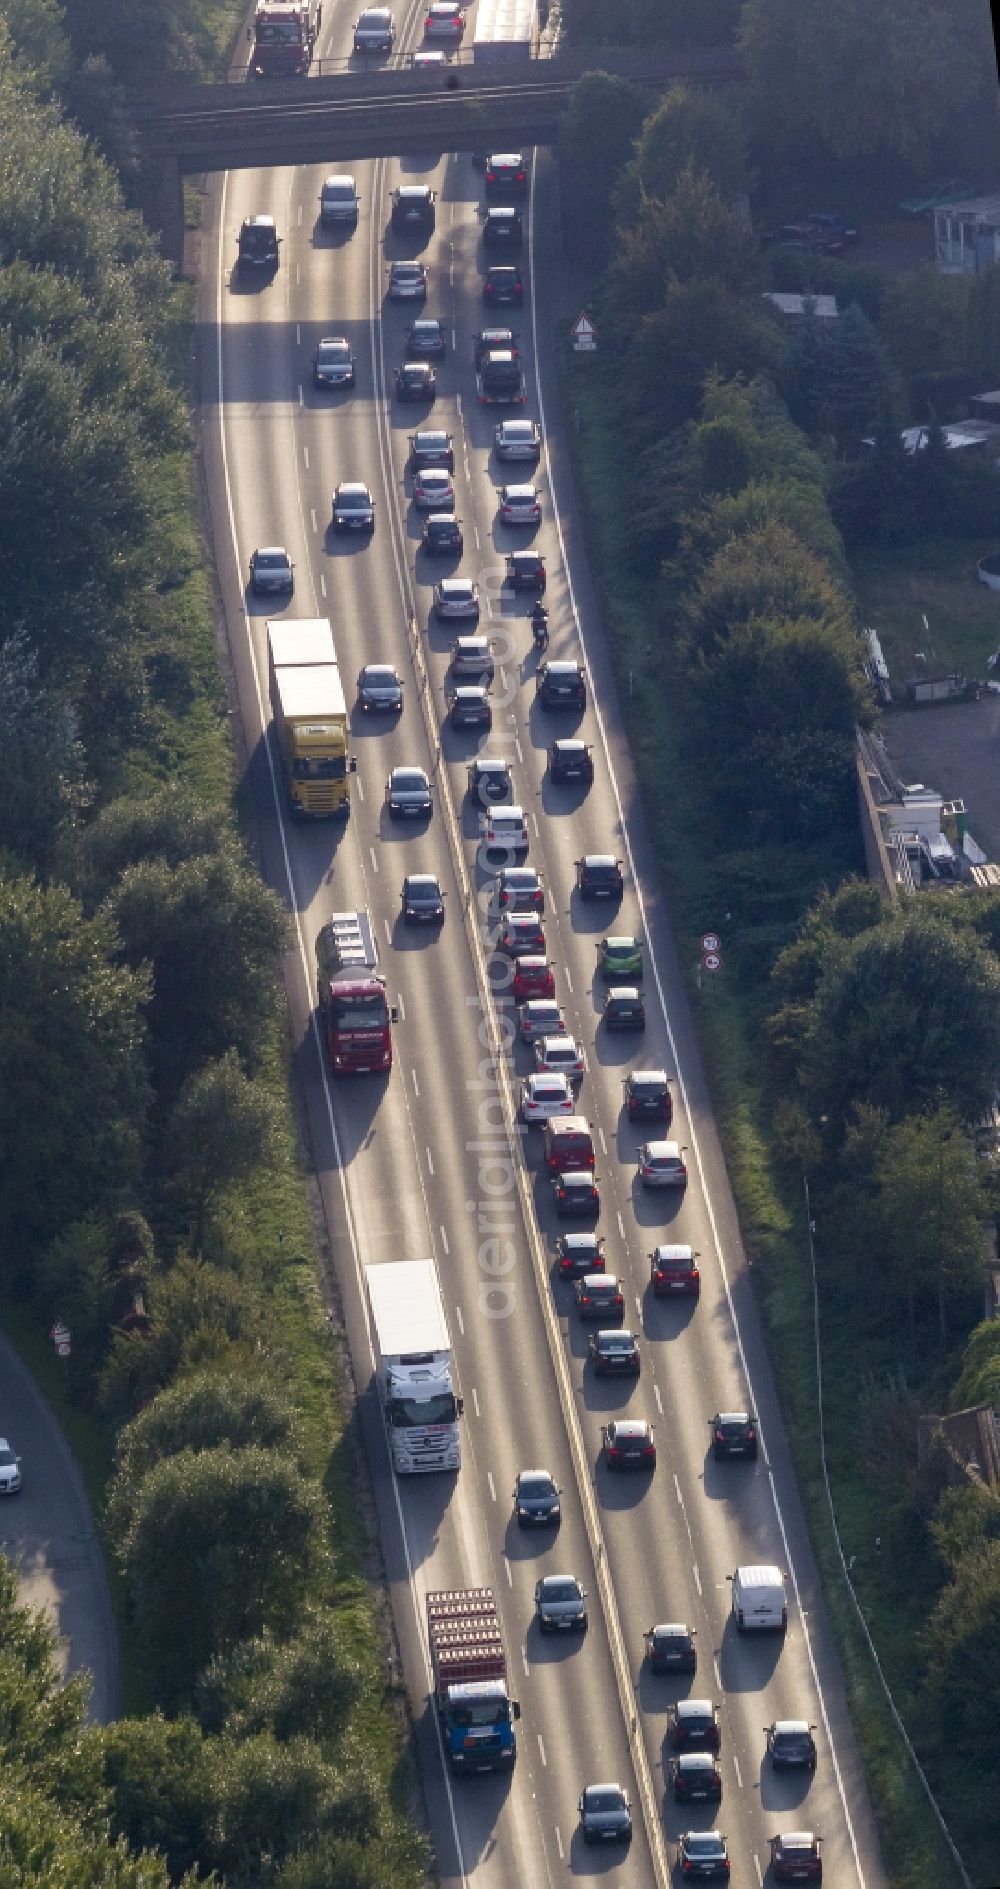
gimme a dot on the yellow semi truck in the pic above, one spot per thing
(310, 716)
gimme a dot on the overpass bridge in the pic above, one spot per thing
(329, 120)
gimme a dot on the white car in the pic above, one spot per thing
(444, 20)
(10, 1469)
(560, 1055)
(456, 596)
(543, 1096)
(517, 439)
(504, 830)
(433, 490)
(519, 505)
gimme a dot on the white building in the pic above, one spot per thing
(967, 235)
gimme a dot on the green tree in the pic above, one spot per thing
(72, 1075)
(922, 320)
(801, 509)
(905, 1016)
(229, 1541)
(825, 89)
(693, 238)
(767, 574)
(979, 1381)
(219, 1130)
(840, 377)
(596, 136)
(202, 1316)
(962, 1651)
(164, 1782)
(690, 130)
(872, 496)
(309, 1685)
(929, 1211)
(169, 824)
(211, 932)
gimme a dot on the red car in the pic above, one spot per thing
(569, 1144)
(673, 1272)
(795, 1857)
(533, 977)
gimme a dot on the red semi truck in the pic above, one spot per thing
(356, 1017)
(283, 34)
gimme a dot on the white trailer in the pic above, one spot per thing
(414, 1364)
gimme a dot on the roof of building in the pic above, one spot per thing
(973, 210)
(823, 306)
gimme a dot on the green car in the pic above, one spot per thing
(620, 958)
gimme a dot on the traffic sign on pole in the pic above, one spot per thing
(60, 1336)
(584, 333)
(712, 960)
(711, 941)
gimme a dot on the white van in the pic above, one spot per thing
(759, 1599)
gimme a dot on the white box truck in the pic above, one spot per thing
(414, 1365)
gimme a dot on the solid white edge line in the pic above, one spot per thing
(318, 1043)
(693, 1143)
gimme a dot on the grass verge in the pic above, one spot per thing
(700, 881)
(897, 589)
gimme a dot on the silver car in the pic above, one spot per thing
(408, 792)
(407, 282)
(472, 657)
(338, 199)
(10, 1469)
(456, 597)
(433, 489)
(333, 362)
(560, 1604)
(661, 1164)
(519, 505)
(353, 507)
(517, 439)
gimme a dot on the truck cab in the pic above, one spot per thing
(356, 1016)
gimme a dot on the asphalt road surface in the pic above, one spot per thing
(420, 1163)
(48, 1533)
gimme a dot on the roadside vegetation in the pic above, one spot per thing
(153, 1196)
(852, 1045)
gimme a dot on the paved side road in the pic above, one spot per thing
(48, 1532)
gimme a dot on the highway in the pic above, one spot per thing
(421, 1163)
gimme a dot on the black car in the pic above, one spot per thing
(413, 207)
(599, 1296)
(526, 571)
(624, 1008)
(600, 876)
(579, 1253)
(380, 689)
(694, 1726)
(734, 1433)
(502, 228)
(561, 685)
(257, 250)
(333, 363)
(791, 1745)
(628, 1444)
(469, 706)
(696, 1777)
(503, 286)
(576, 1193)
(492, 341)
(432, 447)
(647, 1096)
(416, 380)
(506, 171)
(489, 779)
(422, 899)
(703, 1853)
(442, 535)
(425, 338)
(536, 1499)
(614, 1353)
(271, 572)
(670, 1648)
(571, 760)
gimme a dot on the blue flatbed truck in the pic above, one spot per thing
(469, 1666)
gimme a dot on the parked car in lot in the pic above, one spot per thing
(624, 1008)
(434, 491)
(703, 1854)
(614, 1353)
(576, 1193)
(536, 1499)
(795, 1857)
(380, 689)
(538, 1017)
(544, 1096)
(661, 1164)
(560, 1604)
(670, 1648)
(600, 876)
(791, 1745)
(407, 282)
(456, 597)
(734, 1433)
(673, 1272)
(694, 1725)
(333, 363)
(518, 439)
(599, 1296)
(488, 778)
(628, 1443)
(580, 1253)
(647, 1096)
(422, 899)
(432, 446)
(271, 572)
(605, 1814)
(696, 1777)
(570, 760)
(561, 685)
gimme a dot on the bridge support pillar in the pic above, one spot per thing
(164, 209)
